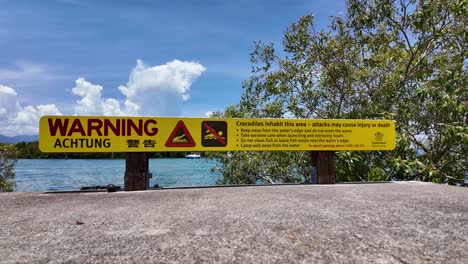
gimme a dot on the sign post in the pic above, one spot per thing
(136, 171)
(322, 162)
(141, 135)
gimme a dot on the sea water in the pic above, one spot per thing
(60, 174)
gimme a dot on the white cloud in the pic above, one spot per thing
(18, 120)
(160, 90)
(23, 70)
(27, 72)
(157, 91)
(8, 103)
(92, 102)
(32, 114)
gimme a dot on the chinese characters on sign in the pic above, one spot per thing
(135, 143)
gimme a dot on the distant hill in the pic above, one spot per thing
(16, 139)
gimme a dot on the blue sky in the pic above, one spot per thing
(71, 56)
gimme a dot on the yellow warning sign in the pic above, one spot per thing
(150, 134)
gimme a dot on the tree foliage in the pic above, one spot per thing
(251, 167)
(403, 60)
(7, 167)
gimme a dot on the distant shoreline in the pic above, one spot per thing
(30, 150)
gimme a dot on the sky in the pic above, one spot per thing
(134, 58)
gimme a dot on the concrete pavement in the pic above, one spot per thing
(405, 222)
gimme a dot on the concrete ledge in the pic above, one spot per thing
(360, 223)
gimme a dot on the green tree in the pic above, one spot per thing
(7, 167)
(251, 167)
(411, 65)
(403, 60)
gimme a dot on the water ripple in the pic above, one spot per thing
(49, 175)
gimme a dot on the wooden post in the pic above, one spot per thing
(136, 171)
(323, 161)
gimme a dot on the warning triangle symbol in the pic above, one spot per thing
(180, 137)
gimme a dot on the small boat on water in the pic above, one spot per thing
(193, 156)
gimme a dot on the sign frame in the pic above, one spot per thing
(153, 134)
